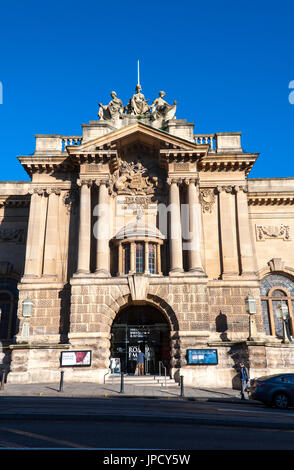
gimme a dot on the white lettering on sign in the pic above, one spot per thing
(197, 356)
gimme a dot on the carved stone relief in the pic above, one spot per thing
(207, 199)
(264, 232)
(134, 179)
(276, 264)
(16, 235)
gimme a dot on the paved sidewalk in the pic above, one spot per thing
(113, 390)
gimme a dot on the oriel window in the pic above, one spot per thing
(140, 257)
(152, 258)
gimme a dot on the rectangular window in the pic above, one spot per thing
(140, 252)
(152, 258)
(126, 258)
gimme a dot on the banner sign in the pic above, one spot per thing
(115, 365)
(76, 358)
(202, 356)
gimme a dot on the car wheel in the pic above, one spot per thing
(281, 400)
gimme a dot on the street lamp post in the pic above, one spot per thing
(250, 304)
(283, 314)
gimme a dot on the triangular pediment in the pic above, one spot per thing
(136, 132)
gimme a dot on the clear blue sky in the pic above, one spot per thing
(227, 63)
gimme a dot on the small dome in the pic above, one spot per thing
(139, 229)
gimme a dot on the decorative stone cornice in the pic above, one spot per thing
(47, 164)
(227, 163)
(255, 199)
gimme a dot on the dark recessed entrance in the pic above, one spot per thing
(141, 327)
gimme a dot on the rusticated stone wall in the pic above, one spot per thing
(228, 315)
(50, 317)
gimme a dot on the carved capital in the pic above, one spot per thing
(104, 182)
(86, 182)
(173, 180)
(38, 191)
(227, 188)
(191, 180)
(53, 190)
(242, 188)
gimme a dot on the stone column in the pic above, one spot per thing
(85, 227)
(176, 248)
(228, 232)
(52, 234)
(194, 227)
(102, 231)
(35, 236)
(245, 241)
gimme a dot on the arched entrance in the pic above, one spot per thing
(145, 328)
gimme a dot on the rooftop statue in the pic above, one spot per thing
(160, 109)
(113, 110)
(137, 105)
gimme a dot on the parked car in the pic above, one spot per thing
(276, 390)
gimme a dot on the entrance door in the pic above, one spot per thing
(145, 329)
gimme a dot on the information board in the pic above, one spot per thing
(202, 356)
(75, 359)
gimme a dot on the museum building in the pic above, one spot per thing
(141, 234)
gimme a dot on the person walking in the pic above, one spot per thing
(140, 362)
(244, 379)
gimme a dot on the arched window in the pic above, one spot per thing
(275, 291)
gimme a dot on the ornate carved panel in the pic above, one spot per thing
(273, 232)
(207, 199)
(16, 235)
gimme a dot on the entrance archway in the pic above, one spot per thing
(144, 328)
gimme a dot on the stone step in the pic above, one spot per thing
(143, 380)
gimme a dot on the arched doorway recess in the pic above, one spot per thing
(145, 328)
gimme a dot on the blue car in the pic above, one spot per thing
(273, 390)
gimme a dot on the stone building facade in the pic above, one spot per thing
(141, 227)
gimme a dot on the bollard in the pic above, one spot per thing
(182, 386)
(61, 381)
(2, 380)
(122, 383)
